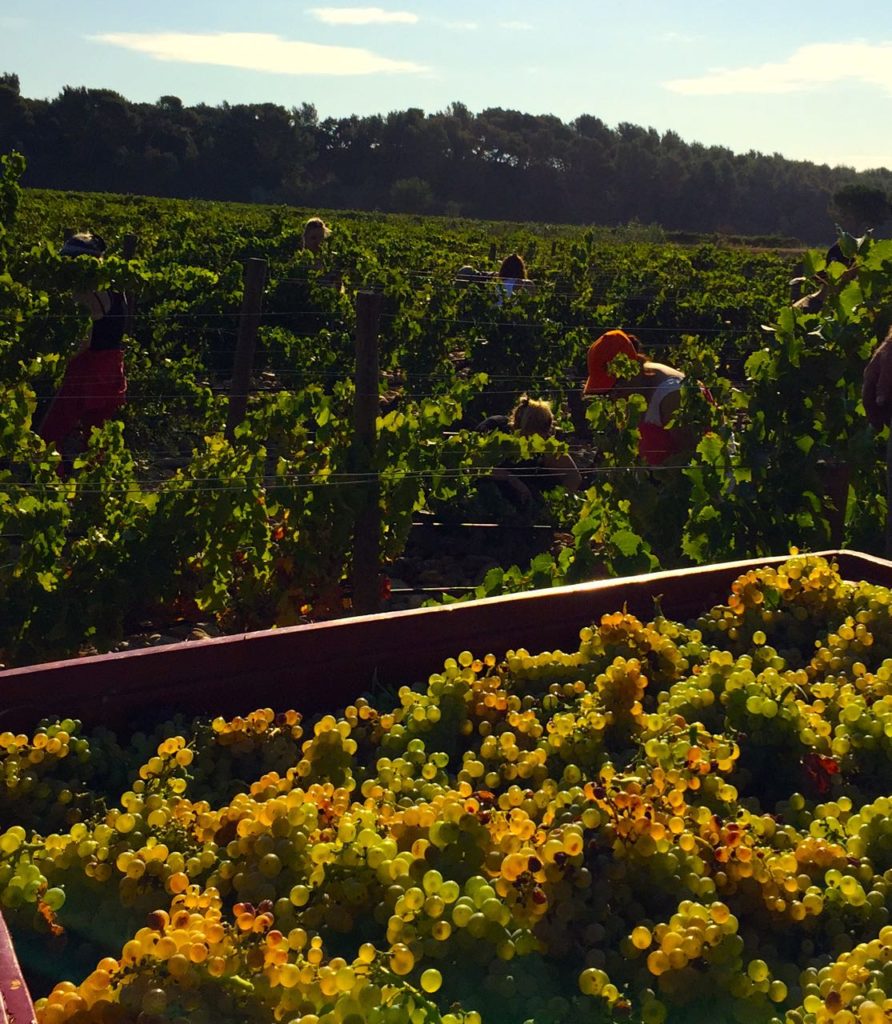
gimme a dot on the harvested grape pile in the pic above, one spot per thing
(682, 823)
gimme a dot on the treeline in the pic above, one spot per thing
(498, 164)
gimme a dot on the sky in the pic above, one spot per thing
(809, 80)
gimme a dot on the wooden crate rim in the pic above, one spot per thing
(843, 556)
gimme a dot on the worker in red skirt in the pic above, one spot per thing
(660, 439)
(94, 386)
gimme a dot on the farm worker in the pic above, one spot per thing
(814, 301)
(469, 274)
(876, 387)
(659, 384)
(94, 386)
(316, 231)
(530, 478)
(512, 276)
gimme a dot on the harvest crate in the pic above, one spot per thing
(327, 665)
(321, 667)
(15, 1002)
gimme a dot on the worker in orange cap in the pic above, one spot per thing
(659, 384)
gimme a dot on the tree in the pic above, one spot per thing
(14, 115)
(498, 163)
(170, 104)
(411, 195)
(859, 207)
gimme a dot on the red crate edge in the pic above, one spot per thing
(314, 668)
(15, 1000)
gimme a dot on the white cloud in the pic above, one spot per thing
(806, 69)
(362, 16)
(258, 51)
(679, 37)
(517, 26)
(460, 26)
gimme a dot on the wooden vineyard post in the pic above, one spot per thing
(249, 321)
(577, 406)
(493, 252)
(367, 526)
(835, 479)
